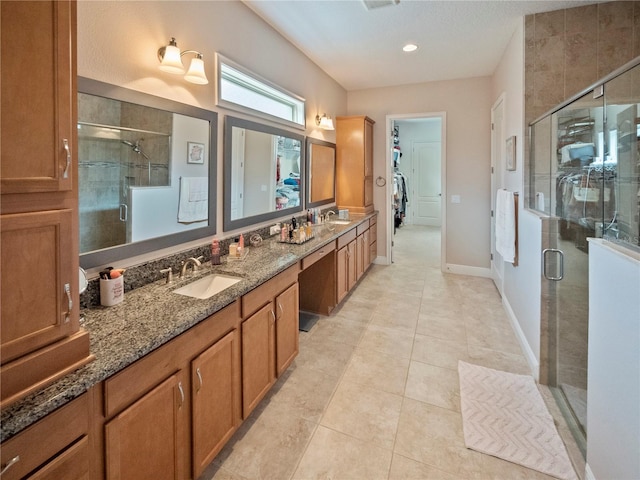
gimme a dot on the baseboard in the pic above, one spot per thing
(588, 474)
(534, 365)
(467, 270)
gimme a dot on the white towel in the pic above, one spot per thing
(193, 205)
(540, 201)
(505, 225)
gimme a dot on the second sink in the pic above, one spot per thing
(208, 286)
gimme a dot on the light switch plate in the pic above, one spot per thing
(455, 198)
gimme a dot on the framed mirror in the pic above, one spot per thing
(263, 173)
(321, 173)
(146, 172)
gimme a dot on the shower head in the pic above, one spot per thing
(136, 147)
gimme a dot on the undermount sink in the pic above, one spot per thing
(207, 286)
(340, 222)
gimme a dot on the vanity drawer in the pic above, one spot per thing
(46, 438)
(317, 255)
(347, 238)
(363, 227)
(259, 296)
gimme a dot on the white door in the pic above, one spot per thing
(497, 164)
(426, 192)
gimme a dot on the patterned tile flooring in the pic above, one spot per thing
(374, 392)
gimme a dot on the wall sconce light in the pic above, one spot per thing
(324, 122)
(170, 58)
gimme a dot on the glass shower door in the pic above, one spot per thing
(578, 192)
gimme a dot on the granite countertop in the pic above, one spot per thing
(152, 315)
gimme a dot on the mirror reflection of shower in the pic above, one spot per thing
(139, 165)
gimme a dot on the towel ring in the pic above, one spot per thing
(381, 182)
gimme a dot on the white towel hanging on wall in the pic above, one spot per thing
(194, 199)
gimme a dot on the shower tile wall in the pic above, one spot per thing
(107, 166)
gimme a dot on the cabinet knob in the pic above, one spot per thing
(10, 464)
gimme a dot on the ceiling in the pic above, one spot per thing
(362, 48)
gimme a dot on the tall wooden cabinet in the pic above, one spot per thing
(354, 163)
(40, 335)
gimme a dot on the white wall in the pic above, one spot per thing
(613, 397)
(118, 43)
(522, 285)
(467, 104)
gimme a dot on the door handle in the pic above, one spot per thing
(124, 212)
(560, 253)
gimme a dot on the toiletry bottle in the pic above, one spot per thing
(241, 246)
(215, 252)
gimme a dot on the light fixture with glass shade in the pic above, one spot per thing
(324, 122)
(170, 58)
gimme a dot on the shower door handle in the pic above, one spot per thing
(124, 212)
(545, 252)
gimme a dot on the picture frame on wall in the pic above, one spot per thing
(195, 153)
(510, 157)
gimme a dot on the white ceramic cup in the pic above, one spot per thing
(111, 291)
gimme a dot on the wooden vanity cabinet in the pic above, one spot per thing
(373, 238)
(354, 163)
(40, 335)
(53, 448)
(168, 414)
(346, 264)
(269, 335)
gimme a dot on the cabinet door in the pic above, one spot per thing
(342, 287)
(37, 281)
(144, 441)
(287, 327)
(366, 249)
(37, 96)
(215, 380)
(351, 264)
(368, 147)
(359, 256)
(258, 366)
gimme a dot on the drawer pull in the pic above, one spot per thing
(273, 315)
(67, 290)
(199, 379)
(65, 142)
(281, 309)
(10, 464)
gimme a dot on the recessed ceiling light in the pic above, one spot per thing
(410, 47)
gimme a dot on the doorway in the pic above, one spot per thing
(416, 153)
(497, 182)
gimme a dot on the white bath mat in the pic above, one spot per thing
(504, 415)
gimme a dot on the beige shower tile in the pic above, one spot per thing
(549, 24)
(439, 352)
(331, 454)
(403, 468)
(379, 371)
(433, 385)
(365, 413)
(387, 340)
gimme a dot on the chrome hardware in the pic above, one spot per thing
(169, 273)
(10, 464)
(124, 212)
(281, 309)
(199, 379)
(195, 262)
(544, 264)
(181, 393)
(67, 290)
(65, 142)
(273, 316)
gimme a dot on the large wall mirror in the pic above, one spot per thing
(146, 172)
(263, 173)
(321, 172)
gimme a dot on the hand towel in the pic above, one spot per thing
(505, 225)
(540, 201)
(193, 203)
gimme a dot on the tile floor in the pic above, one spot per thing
(374, 391)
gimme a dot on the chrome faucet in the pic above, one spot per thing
(326, 215)
(194, 262)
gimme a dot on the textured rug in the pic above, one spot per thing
(504, 415)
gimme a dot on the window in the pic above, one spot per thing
(242, 90)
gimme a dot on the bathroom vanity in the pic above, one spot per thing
(175, 376)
